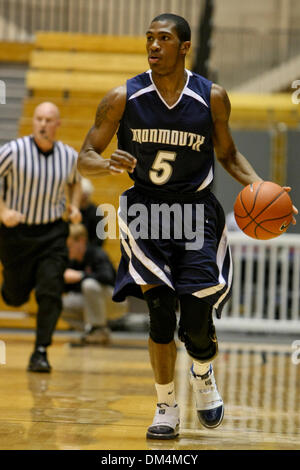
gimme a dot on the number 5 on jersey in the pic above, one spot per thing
(161, 170)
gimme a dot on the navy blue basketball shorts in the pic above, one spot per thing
(179, 244)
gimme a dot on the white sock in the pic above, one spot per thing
(200, 368)
(166, 393)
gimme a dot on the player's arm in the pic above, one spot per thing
(226, 152)
(108, 115)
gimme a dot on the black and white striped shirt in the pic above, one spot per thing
(34, 183)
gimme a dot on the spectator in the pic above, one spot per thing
(89, 280)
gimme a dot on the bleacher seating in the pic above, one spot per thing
(250, 110)
(89, 43)
(17, 52)
(100, 62)
(76, 65)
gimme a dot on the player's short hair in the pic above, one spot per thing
(181, 25)
(77, 231)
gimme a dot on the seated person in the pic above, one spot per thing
(89, 280)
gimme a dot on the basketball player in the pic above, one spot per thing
(169, 122)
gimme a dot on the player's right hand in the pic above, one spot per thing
(120, 161)
(295, 210)
(11, 218)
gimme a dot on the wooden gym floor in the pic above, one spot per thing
(102, 398)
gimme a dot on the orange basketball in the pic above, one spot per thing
(263, 210)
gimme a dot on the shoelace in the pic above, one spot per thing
(164, 415)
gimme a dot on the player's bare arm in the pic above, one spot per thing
(108, 115)
(226, 152)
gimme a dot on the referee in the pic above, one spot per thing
(35, 172)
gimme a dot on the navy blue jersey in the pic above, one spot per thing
(172, 144)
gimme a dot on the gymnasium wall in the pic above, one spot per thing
(248, 38)
(20, 19)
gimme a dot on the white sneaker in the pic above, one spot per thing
(165, 423)
(209, 404)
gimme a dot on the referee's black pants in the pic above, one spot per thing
(35, 257)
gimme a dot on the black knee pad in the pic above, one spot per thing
(161, 302)
(196, 328)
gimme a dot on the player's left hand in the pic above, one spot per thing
(295, 210)
(74, 214)
(120, 161)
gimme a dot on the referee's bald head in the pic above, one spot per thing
(48, 107)
(46, 120)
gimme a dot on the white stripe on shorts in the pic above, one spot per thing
(147, 262)
(216, 306)
(208, 291)
(221, 253)
(135, 275)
